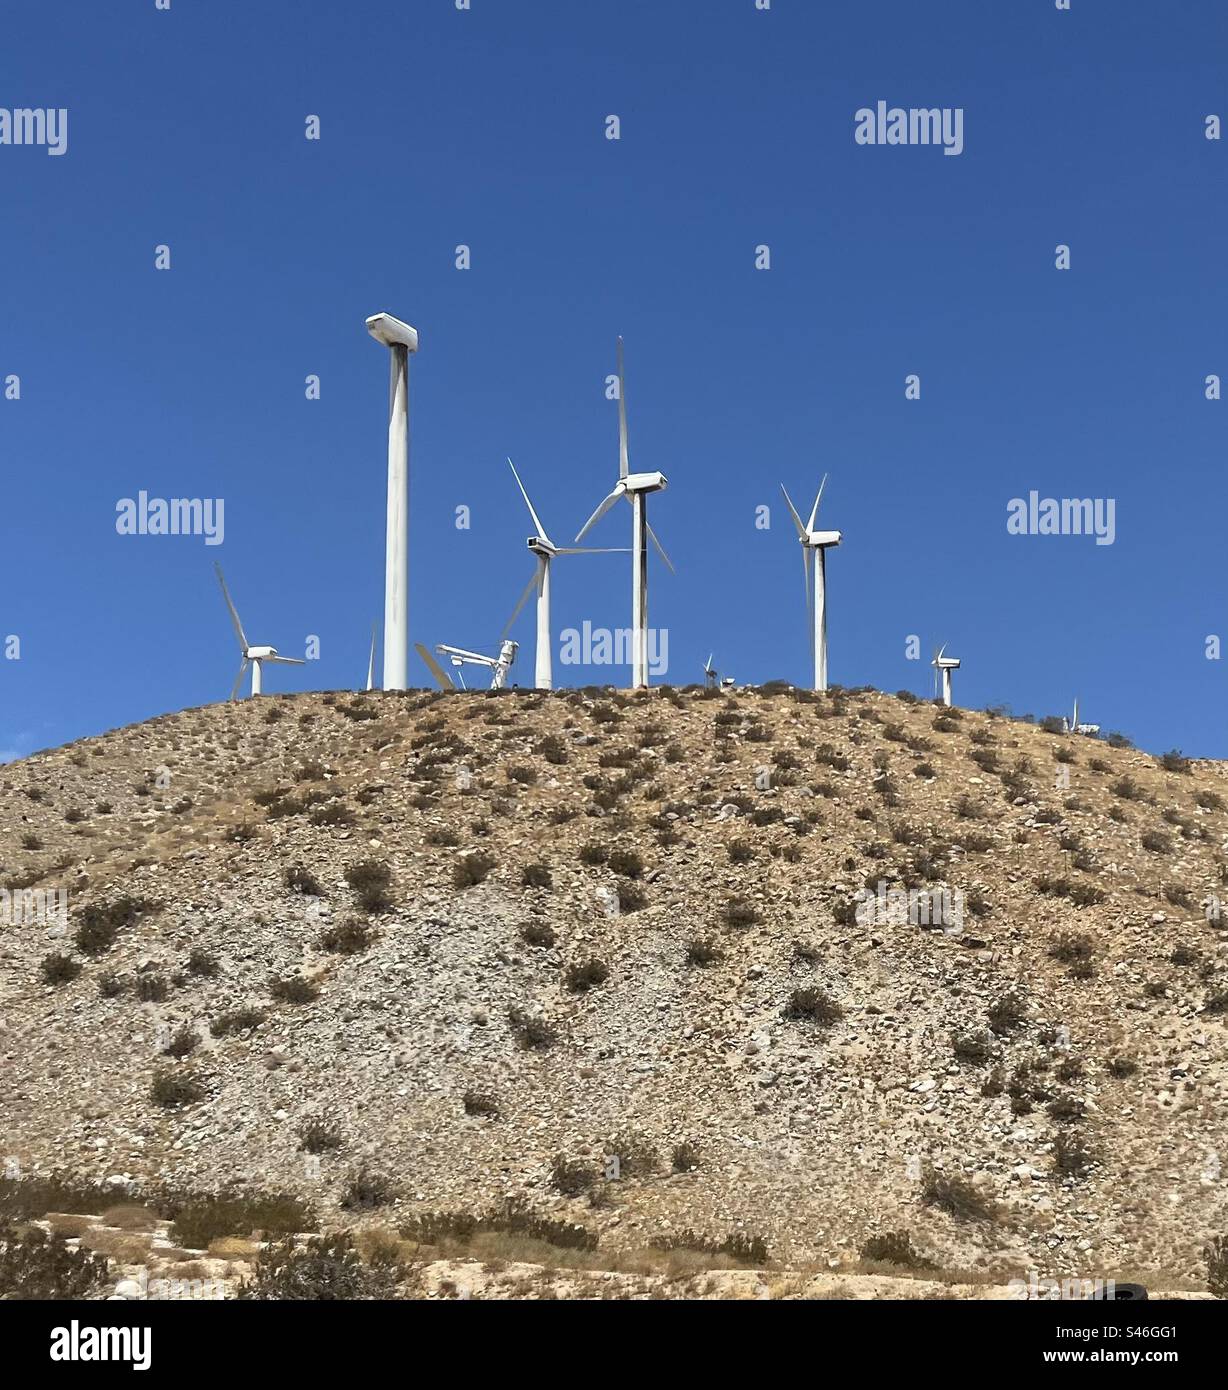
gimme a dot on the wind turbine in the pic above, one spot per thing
(1074, 727)
(255, 656)
(944, 665)
(710, 672)
(815, 545)
(635, 487)
(401, 340)
(497, 665)
(371, 661)
(545, 550)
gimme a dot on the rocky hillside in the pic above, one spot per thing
(410, 957)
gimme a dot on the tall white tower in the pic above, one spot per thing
(401, 340)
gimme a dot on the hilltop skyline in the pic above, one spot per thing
(914, 338)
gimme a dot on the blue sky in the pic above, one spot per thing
(487, 127)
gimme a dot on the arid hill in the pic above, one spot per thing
(606, 958)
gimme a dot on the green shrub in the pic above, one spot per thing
(38, 1266)
(366, 1190)
(293, 989)
(368, 873)
(472, 869)
(894, 1248)
(202, 962)
(745, 1249)
(703, 953)
(482, 1104)
(955, 1196)
(585, 975)
(98, 924)
(199, 1220)
(58, 968)
(631, 897)
(1217, 1266)
(302, 880)
(318, 1135)
(740, 914)
(240, 1020)
(532, 1032)
(812, 1006)
(572, 1177)
(183, 1042)
(539, 934)
(625, 862)
(174, 1089)
(347, 938)
(536, 876)
(1007, 1013)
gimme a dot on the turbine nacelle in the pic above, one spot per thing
(392, 332)
(644, 482)
(947, 663)
(821, 540)
(259, 653)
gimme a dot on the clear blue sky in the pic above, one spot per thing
(487, 128)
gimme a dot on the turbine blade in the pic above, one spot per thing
(234, 616)
(652, 536)
(605, 506)
(234, 689)
(371, 662)
(797, 521)
(592, 550)
(524, 598)
(814, 511)
(285, 660)
(623, 463)
(444, 680)
(541, 530)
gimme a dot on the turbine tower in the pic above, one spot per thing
(635, 487)
(401, 340)
(815, 545)
(544, 549)
(253, 656)
(944, 665)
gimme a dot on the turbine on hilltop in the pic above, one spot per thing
(253, 656)
(635, 487)
(815, 545)
(943, 666)
(401, 340)
(544, 549)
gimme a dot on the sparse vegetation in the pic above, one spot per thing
(174, 1089)
(956, 1196)
(472, 869)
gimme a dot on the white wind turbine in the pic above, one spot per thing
(544, 549)
(255, 656)
(497, 665)
(944, 665)
(711, 676)
(635, 487)
(1074, 727)
(815, 545)
(400, 339)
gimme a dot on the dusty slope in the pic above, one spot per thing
(809, 1135)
